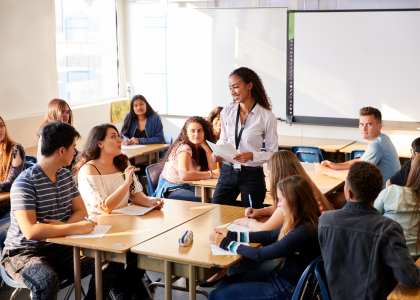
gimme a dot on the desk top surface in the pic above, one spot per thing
(166, 246)
(133, 230)
(329, 145)
(402, 293)
(4, 196)
(402, 150)
(325, 183)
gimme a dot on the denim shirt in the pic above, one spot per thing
(363, 251)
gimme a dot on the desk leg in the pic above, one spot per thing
(149, 159)
(203, 194)
(157, 157)
(77, 274)
(192, 282)
(98, 274)
(168, 280)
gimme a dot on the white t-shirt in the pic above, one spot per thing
(96, 188)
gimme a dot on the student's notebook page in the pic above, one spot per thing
(133, 210)
(226, 151)
(128, 147)
(97, 233)
(233, 227)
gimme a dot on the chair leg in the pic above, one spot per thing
(69, 292)
(83, 292)
(15, 293)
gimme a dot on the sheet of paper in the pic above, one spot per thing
(132, 147)
(233, 227)
(226, 151)
(97, 233)
(133, 210)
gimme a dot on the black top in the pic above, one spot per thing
(298, 249)
(140, 134)
(400, 178)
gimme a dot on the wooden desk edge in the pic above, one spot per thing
(401, 292)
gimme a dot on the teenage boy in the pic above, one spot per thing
(364, 252)
(46, 203)
(380, 150)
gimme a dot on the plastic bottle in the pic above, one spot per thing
(128, 90)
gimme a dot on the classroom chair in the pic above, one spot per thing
(168, 139)
(307, 286)
(356, 154)
(308, 154)
(320, 275)
(152, 173)
(30, 161)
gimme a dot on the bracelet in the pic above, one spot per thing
(247, 223)
(211, 174)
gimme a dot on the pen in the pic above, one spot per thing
(87, 219)
(124, 137)
(250, 202)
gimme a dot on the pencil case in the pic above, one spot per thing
(186, 238)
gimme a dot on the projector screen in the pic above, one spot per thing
(347, 60)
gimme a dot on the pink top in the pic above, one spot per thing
(170, 171)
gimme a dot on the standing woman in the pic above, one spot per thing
(246, 123)
(58, 110)
(12, 163)
(214, 119)
(142, 125)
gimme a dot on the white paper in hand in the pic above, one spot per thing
(226, 151)
(97, 233)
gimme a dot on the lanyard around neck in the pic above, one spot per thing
(238, 137)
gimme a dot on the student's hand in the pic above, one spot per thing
(85, 227)
(129, 173)
(248, 214)
(53, 222)
(329, 164)
(215, 158)
(215, 173)
(243, 157)
(223, 232)
(216, 238)
(126, 142)
(242, 222)
(158, 202)
(134, 141)
(319, 168)
(204, 145)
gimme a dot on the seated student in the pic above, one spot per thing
(188, 158)
(12, 163)
(58, 110)
(401, 204)
(400, 178)
(296, 242)
(97, 170)
(45, 204)
(364, 252)
(380, 152)
(214, 119)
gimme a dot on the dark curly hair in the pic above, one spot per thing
(199, 155)
(132, 115)
(257, 91)
(365, 180)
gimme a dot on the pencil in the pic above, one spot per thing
(227, 226)
(120, 175)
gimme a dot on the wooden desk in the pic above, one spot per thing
(327, 185)
(4, 196)
(128, 231)
(164, 255)
(402, 150)
(328, 145)
(402, 293)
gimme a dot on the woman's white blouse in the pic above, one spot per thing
(96, 188)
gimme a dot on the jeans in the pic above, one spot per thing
(248, 265)
(253, 285)
(183, 194)
(248, 181)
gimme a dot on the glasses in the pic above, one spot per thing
(413, 152)
(65, 113)
(2, 126)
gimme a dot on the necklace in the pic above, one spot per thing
(104, 166)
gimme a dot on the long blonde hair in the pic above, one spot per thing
(6, 147)
(53, 113)
(283, 164)
(298, 193)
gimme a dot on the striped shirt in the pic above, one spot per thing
(34, 190)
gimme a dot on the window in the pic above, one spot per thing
(86, 47)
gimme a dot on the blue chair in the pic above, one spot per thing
(30, 161)
(4, 227)
(168, 139)
(152, 173)
(308, 154)
(320, 275)
(356, 154)
(307, 286)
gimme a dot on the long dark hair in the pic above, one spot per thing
(132, 115)
(91, 151)
(199, 155)
(257, 91)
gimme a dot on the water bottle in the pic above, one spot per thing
(128, 90)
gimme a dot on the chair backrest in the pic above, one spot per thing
(168, 139)
(307, 285)
(152, 173)
(308, 154)
(322, 279)
(30, 161)
(356, 154)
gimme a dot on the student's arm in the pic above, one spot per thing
(159, 138)
(212, 164)
(141, 199)
(319, 168)
(339, 166)
(397, 256)
(184, 172)
(276, 221)
(259, 213)
(15, 169)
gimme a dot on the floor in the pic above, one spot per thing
(6, 292)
